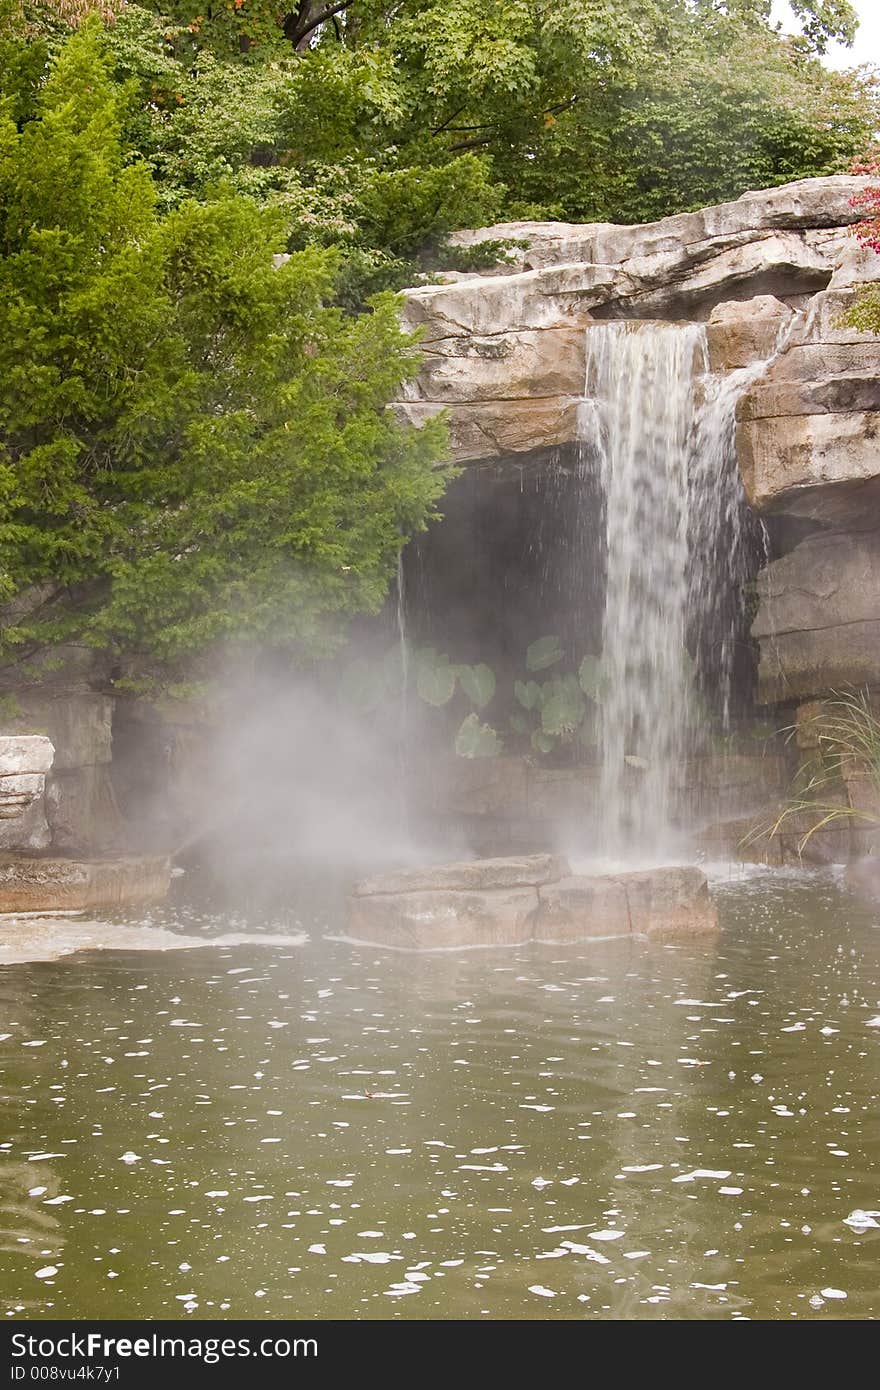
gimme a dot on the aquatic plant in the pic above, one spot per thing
(844, 734)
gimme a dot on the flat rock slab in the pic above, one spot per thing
(25, 753)
(479, 875)
(498, 902)
(26, 939)
(432, 920)
(37, 884)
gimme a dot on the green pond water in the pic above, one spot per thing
(618, 1130)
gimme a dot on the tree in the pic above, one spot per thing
(395, 124)
(194, 448)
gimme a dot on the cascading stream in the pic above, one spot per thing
(403, 728)
(679, 540)
(641, 379)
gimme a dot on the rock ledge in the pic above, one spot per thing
(505, 902)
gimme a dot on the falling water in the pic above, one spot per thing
(725, 535)
(402, 741)
(681, 545)
(641, 380)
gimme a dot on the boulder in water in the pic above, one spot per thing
(506, 902)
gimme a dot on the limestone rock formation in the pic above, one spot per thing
(38, 884)
(471, 875)
(819, 618)
(508, 802)
(80, 806)
(505, 902)
(504, 351)
(24, 764)
(771, 274)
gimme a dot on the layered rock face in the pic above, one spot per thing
(80, 808)
(508, 804)
(771, 275)
(24, 764)
(71, 885)
(31, 881)
(505, 902)
(505, 352)
(809, 448)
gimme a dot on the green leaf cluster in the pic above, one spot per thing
(195, 447)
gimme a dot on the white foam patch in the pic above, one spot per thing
(860, 1220)
(703, 1173)
(48, 938)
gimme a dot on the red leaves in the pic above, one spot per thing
(868, 200)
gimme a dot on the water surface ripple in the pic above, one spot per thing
(615, 1131)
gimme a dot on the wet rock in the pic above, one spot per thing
(580, 907)
(670, 902)
(812, 465)
(742, 331)
(520, 791)
(430, 910)
(82, 810)
(481, 875)
(433, 920)
(23, 826)
(42, 884)
(864, 876)
(494, 429)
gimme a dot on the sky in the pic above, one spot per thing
(866, 48)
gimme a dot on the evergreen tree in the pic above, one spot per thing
(194, 447)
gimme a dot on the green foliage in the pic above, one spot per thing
(845, 733)
(864, 315)
(477, 740)
(528, 693)
(546, 651)
(385, 127)
(435, 677)
(477, 682)
(194, 447)
(563, 706)
(590, 676)
(542, 742)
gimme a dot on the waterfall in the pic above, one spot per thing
(679, 543)
(403, 729)
(641, 380)
(725, 535)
